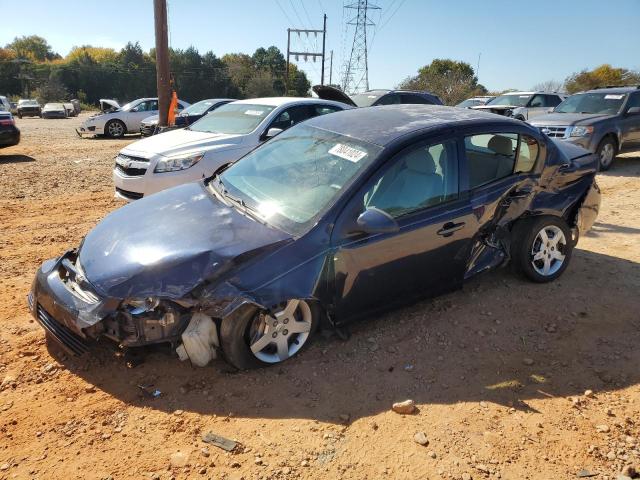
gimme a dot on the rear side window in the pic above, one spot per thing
(494, 156)
(323, 109)
(553, 100)
(390, 99)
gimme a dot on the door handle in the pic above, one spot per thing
(450, 227)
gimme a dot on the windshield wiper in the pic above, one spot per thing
(239, 202)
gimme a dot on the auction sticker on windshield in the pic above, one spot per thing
(255, 113)
(348, 153)
(613, 97)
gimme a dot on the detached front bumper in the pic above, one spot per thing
(89, 130)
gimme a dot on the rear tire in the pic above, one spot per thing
(541, 248)
(606, 151)
(115, 129)
(261, 338)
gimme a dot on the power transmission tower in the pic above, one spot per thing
(355, 76)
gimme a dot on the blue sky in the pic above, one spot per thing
(522, 42)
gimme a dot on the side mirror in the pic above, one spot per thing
(550, 110)
(374, 220)
(633, 111)
(272, 132)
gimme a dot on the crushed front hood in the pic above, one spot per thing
(178, 141)
(168, 243)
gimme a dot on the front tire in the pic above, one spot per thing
(541, 248)
(115, 129)
(261, 338)
(607, 151)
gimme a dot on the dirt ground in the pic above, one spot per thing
(498, 370)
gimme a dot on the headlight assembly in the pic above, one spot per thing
(581, 131)
(179, 162)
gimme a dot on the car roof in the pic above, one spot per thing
(278, 101)
(621, 89)
(385, 124)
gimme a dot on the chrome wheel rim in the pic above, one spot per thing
(277, 336)
(606, 154)
(115, 129)
(547, 252)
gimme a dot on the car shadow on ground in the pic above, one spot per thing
(16, 159)
(625, 165)
(502, 339)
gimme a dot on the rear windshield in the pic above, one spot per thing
(603, 103)
(198, 108)
(233, 118)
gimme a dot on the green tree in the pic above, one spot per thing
(451, 80)
(32, 47)
(599, 77)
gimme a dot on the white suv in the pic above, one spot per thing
(522, 105)
(219, 138)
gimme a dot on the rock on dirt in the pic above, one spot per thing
(421, 438)
(407, 407)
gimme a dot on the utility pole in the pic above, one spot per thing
(355, 78)
(305, 55)
(162, 60)
(331, 69)
(324, 38)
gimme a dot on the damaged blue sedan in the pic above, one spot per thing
(335, 219)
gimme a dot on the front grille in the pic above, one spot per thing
(131, 166)
(74, 343)
(128, 194)
(147, 130)
(131, 172)
(554, 132)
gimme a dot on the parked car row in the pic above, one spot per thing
(605, 120)
(271, 217)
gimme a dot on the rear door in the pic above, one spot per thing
(428, 255)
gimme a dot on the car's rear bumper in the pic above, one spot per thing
(29, 113)
(9, 137)
(54, 115)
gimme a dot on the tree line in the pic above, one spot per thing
(455, 81)
(30, 68)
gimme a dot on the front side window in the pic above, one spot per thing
(634, 101)
(292, 179)
(418, 178)
(493, 156)
(233, 119)
(538, 101)
(553, 100)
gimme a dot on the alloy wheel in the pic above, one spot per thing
(277, 336)
(116, 129)
(547, 252)
(606, 154)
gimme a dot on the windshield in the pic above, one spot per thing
(198, 108)
(233, 118)
(366, 99)
(603, 103)
(127, 106)
(511, 100)
(294, 178)
(27, 102)
(54, 106)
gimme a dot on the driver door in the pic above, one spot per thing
(140, 112)
(427, 255)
